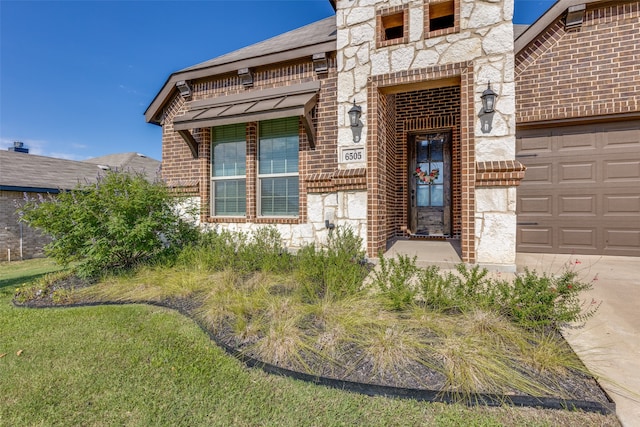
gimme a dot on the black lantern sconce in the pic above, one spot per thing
(354, 118)
(488, 99)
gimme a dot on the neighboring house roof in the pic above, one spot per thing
(317, 37)
(29, 172)
(135, 162)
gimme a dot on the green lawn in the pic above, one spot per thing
(142, 365)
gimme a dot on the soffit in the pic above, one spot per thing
(549, 17)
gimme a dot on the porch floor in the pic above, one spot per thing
(443, 253)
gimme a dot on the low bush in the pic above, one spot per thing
(531, 300)
(537, 301)
(335, 270)
(395, 279)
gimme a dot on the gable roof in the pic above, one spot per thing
(549, 17)
(317, 37)
(134, 162)
(29, 172)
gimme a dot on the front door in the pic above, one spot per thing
(430, 184)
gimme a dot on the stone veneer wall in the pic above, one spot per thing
(478, 49)
(589, 71)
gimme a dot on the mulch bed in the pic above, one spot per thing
(413, 380)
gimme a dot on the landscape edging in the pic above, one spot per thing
(427, 395)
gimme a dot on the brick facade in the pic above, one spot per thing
(593, 70)
(391, 118)
(180, 169)
(33, 241)
(413, 66)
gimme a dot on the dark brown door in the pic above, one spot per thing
(429, 184)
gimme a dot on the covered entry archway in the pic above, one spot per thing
(402, 108)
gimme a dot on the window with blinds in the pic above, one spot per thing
(228, 170)
(278, 167)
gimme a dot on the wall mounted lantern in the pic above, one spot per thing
(488, 99)
(354, 118)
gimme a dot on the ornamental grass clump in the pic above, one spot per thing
(334, 270)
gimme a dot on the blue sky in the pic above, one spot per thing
(77, 76)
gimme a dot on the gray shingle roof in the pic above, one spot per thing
(135, 162)
(21, 171)
(314, 33)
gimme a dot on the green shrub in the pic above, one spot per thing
(394, 277)
(436, 289)
(334, 271)
(539, 301)
(115, 223)
(263, 251)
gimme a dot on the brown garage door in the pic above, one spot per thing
(581, 191)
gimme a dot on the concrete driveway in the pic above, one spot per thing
(609, 342)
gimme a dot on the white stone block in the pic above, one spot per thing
(361, 77)
(499, 39)
(493, 199)
(484, 15)
(466, 9)
(315, 207)
(363, 55)
(358, 15)
(401, 58)
(380, 62)
(342, 39)
(331, 200)
(464, 50)
(361, 34)
(496, 239)
(507, 10)
(345, 87)
(425, 58)
(495, 148)
(349, 64)
(416, 24)
(488, 73)
(356, 205)
(512, 197)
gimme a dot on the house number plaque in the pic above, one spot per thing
(352, 155)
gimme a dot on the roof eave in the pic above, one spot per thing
(545, 20)
(152, 112)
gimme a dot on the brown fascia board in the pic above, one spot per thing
(548, 18)
(163, 96)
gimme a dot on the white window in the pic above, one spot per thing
(228, 170)
(278, 167)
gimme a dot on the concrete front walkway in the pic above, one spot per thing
(609, 342)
